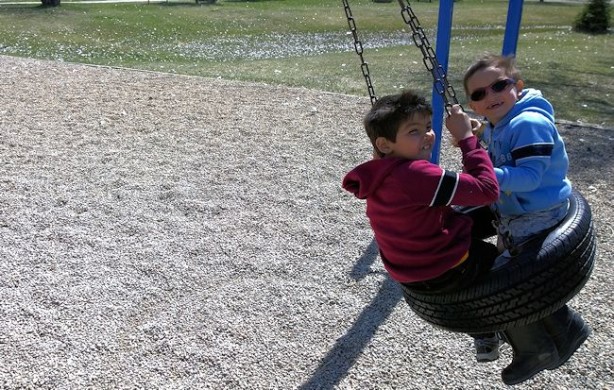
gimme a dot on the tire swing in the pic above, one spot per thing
(545, 275)
(548, 271)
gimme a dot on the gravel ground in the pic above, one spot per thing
(168, 232)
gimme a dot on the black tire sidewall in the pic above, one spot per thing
(534, 284)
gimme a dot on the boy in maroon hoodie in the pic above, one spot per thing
(424, 243)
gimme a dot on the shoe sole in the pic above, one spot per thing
(528, 376)
(487, 358)
(525, 378)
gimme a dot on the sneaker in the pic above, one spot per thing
(487, 348)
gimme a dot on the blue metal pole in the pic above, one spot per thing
(442, 52)
(512, 27)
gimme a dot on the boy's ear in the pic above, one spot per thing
(519, 85)
(383, 145)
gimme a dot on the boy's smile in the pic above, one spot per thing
(492, 93)
(414, 139)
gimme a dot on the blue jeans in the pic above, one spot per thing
(519, 228)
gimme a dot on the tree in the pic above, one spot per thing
(594, 18)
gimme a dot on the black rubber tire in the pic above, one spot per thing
(536, 283)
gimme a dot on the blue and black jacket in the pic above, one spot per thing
(529, 157)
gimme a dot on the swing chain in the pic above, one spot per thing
(364, 66)
(440, 81)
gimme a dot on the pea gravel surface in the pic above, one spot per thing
(169, 232)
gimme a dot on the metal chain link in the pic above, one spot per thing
(364, 66)
(440, 81)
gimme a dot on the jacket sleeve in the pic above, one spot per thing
(531, 152)
(477, 184)
(430, 185)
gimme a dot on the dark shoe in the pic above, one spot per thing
(568, 331)
(534, 351)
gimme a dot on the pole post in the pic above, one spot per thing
(512, 27)
(442, 52)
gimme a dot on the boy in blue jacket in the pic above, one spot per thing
(531, 168)
(525, 147)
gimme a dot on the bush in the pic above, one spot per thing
(595, 17)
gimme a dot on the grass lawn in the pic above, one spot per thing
(306, 43)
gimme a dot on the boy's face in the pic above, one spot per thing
(415, 138)
(490, 95)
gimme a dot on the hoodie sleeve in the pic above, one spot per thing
(395, 181)
(369, 177)
(531, 151)
(477, 184)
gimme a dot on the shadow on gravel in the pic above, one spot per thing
(346, 350)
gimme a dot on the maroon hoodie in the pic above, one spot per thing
(409, 203)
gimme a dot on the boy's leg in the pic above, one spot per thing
(483, 222)
(544, 345)
(481, 257)
(568, 331)
(534, 351)
(520, 229)
(477, 265)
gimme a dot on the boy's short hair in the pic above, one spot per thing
(508, 63)
(389, 112)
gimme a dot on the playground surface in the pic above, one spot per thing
(170, 232)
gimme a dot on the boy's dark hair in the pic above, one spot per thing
(498, 61)
(389, 112)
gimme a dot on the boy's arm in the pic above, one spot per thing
(432, 186)
(477, 184)
(523, 178)
(531, 152)
(423, 183)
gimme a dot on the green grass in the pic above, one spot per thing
(305, 43)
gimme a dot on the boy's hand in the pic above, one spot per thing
(459, 124)
(477, 127)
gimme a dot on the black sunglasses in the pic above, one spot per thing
(497, 86)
